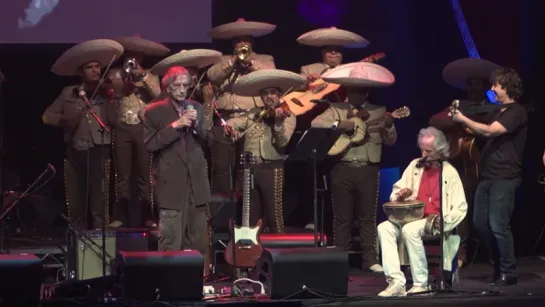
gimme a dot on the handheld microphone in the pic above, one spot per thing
(422, 162)
(187, 108)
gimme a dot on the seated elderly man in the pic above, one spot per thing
(420, 181)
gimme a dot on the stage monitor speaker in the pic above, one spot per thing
(84, 259)
(287, 272)
(163, 276)
(20, 280)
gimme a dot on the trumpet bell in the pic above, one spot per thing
(243, 52)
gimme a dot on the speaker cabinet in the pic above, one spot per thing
(285, 272)
(84, 258)
(163, 276)
(20, 280)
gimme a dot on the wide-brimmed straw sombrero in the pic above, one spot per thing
(252, 83)
(102, 51)
(360, 74)
(198, 58)
(332, 37)
(137, 44)
(457, 72)
(241, 27)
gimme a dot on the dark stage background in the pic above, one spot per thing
(419, 37)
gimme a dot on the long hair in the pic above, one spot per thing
(441, 145)
(510, 80)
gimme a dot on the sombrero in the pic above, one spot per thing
(198, 58)
(252, 83)
(457, 72)
(241, 27)
(360, 74)
(102, 51)
(332, 37)
(147, 47)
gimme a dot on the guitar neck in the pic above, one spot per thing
(247, 186)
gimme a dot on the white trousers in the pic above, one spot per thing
(411, 234)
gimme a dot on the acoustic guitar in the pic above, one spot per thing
(301, 102)
(247, 246)
(462, 144)
(362, 129)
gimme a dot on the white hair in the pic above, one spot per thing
(440, 140)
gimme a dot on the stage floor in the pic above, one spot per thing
(364, 287)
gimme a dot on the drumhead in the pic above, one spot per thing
(408, 203)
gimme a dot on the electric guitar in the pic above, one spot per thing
(301, 102)
(361, 131)
(245, 239)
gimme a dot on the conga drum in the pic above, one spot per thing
(403, 212)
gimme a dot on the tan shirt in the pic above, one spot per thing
(370, 149)
(218, 75)
(316, 68)
(266, 142)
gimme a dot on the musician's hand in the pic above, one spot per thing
(437, 223)
(388, 120)
(346, 126)
(191, 114)
(313, 77)
(281, 113)
(457, 117)
(363, 114)
(404, 194)
(208, 92)
(234, 135)
(183, 121)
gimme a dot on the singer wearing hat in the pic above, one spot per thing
(138, 87)
(420, 181)
(175, 129)
(472, 76)
(82, 168)
(224, 74)
(355, 175)
(266, 137)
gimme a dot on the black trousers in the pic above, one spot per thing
(354, 193)
(224, 158)
(266, 197)
(83, 172)
(132, 163)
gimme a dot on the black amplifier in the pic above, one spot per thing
(84, 253)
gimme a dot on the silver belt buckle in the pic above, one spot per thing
(131, 118)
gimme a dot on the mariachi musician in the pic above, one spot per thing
(332, 41)
(470, 75)
(224, 74)
(138, 87)
(266, 133)
(85, 148)
(355, 176)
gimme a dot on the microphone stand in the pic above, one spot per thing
(444, 287)
(103, 129)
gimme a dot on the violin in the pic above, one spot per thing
(270, 112)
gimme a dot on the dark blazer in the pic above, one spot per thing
(179, 162)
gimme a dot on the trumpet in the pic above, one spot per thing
(243, 52)
(130, 65)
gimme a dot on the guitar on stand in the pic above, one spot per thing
(244, 247)
(463, 145)
(361, 131)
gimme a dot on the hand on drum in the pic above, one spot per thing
(437, 223)
(403, 194)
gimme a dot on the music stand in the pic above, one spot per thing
(312, 148)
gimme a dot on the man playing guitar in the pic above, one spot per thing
(472, 76)
(354, 177)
